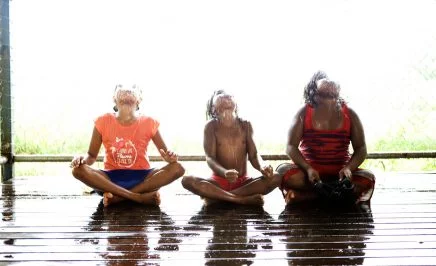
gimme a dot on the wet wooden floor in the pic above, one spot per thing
(50, 221)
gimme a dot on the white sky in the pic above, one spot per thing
(180, 51)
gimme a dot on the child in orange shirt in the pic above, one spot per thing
(125, 136)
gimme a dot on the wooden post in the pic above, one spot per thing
(5, 93)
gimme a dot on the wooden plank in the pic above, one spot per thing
(43, 223)
(139, 255)
(308, 247)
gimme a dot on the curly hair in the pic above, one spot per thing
(210, 109)
(311, 88)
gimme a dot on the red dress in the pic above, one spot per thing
(327, 151)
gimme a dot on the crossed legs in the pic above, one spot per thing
(250, 193)
(144, 193)
(297, 188)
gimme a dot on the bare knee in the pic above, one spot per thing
(369, 174)
(365, 173)
(178, 169)
(187, 181)
(83, 172)
(275, 181)
(283, 168)
(195, 184)
(270, 183)
(77, 172)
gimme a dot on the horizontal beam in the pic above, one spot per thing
(193, 158)
(402, 155)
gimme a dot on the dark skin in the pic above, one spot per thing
(145, 192)
(227, 148)
(228, 145)
(326, 116)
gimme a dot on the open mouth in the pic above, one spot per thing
(126, 97)
(127, 101)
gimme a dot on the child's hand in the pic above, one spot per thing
(168, 156)
(267, 171)
(77, 161)
(231, 175)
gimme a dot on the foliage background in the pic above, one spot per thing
(68, 56)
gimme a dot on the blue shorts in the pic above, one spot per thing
(127, 178)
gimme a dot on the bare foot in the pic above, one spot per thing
(150, 198)
(256, 199)
(290, 197)
(109, 198)
(293, 196)
(208, 202)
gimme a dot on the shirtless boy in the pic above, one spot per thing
(228, 145)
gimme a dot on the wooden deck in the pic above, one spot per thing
(51, 221)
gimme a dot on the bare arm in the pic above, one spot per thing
(94, 148)
(294, 137)
(358, 142)
(209, 145)
(292, 149)
(253, 156)
(159, 142)
(167, 155)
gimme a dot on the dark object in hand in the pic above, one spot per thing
(339, 192)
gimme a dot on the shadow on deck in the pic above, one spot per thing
(50, 221)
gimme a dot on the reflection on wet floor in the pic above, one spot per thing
(230, 239)
(43, 226)
(336, 234)
(8, 200)
(138, 221)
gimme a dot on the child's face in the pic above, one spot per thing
(127, 97)
(327, 89)
(223, 103)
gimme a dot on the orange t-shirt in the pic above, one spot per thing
(126, 146)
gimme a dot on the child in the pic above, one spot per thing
(125, 136)
(228, 142)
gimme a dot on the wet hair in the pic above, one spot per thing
(210, 109)
(311, 88)
(133, 86)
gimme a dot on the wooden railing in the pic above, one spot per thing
(8, 163)
(193, 158)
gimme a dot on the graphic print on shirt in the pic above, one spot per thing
(124, 152)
